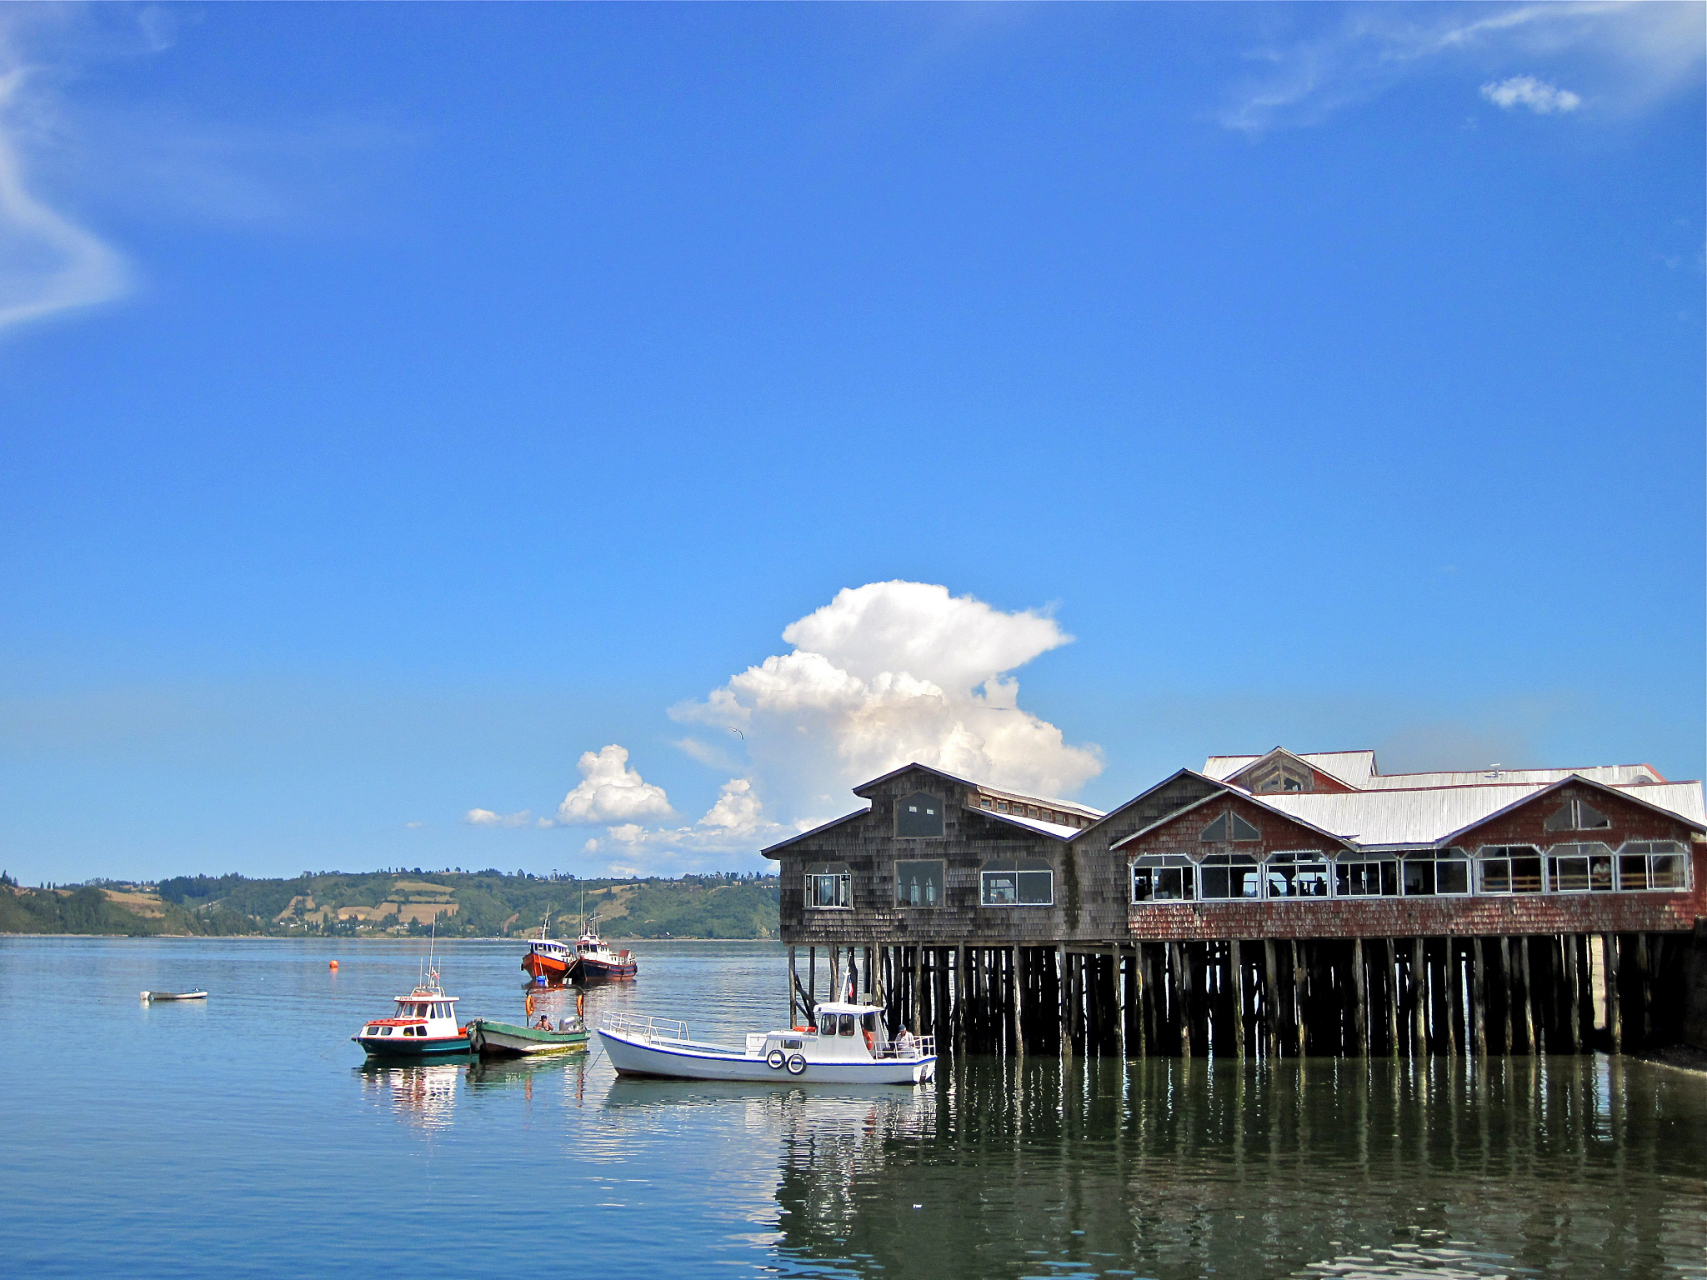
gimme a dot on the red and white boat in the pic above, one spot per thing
(595, 961)
(587, 959)
(425, 1026)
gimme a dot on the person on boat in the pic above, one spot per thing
(904, 1041)
(544, 1023)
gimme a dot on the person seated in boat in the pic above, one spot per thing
(544, 1023)
(904, 1041)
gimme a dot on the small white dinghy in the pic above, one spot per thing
(846, 1045)
(149, 997)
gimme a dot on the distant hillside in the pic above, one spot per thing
(399, 903)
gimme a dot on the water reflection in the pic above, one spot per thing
(423, 1096)
(1182, 1168)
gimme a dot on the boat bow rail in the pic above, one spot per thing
(647, 1030)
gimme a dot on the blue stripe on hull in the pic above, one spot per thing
(420, 1049)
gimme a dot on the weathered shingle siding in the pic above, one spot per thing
(1090, 883)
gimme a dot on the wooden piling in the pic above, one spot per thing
(1359, 995)
(1236, 959)
(1478, 999)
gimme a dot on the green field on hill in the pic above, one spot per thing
(462, 904)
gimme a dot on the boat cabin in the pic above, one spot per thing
(425, 1012)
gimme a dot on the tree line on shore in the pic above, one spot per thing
(399, 902)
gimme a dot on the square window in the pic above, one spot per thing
(919, 883)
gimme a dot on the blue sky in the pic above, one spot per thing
(401, 407)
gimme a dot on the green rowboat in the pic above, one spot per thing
(506, 1040)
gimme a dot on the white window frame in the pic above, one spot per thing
(1649, 850)
(1161, 862)
(986, 875)
(1483, 857)
(1582, 851)
(843, 891)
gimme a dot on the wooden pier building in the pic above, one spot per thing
(1266, 905)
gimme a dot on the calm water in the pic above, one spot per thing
(243, 1137)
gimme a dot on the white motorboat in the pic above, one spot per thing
(846, 1045)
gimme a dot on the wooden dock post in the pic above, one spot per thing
(1300, 990)
(1016, 1011)
(1418, 984)
(1528, 995)
(1359, 995)
(1390, 993)
(1478, 999)
(793, 998)
(1236, 959)
(1270, 999)
(1614, 1006)
(1120, 1001)
(1568, 943)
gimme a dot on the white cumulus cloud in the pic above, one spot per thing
(611, 792)
(885, 674)
(1526, 91)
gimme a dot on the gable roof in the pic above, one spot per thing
(1227, 789)
(1354, 768)
(770, 850)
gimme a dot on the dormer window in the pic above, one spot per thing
(919, 816)
(1229, 827)
(1577, 815)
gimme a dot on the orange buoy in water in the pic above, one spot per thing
(334, 964)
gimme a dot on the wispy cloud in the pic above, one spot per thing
(487, 818)
(49, 262)
(1632, 54)
(1526, 91)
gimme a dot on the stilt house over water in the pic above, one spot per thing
(1274, 904)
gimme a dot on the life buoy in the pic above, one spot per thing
(774, 1059)
(870, 1042)
(796, 1064)
(530, 1006)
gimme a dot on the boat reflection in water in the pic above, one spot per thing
(565, 1073)
(1177, 1169)
(421, 1095)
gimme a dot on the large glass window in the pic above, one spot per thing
(1435, 872)
(1366, 878)
(919, 815)
(1508, 868)
(1653, 864)
(1579, 868)
(1166, 878)
(1296, 875)
(1025, 882)
(1230, 875)
(919, 883)
(829, 888)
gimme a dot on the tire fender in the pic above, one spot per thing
(774, 1059)
(796, 1064)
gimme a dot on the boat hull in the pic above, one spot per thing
(539, 965)
(585, 970)
(632, 1056)
(505, 1040)
(410, 1049)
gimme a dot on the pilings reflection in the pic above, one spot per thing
(1180, 1167)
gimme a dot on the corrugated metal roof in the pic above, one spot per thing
(1427, 815)
(1613, 775)
(1036, 824)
